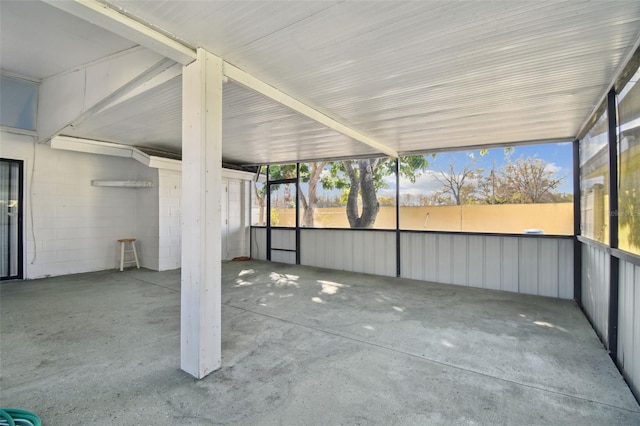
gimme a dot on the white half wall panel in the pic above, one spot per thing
(529, 265)
(595, 288)
(259, 243)
(629, 323)
(371, 252)
(282, 241)
(283, 257)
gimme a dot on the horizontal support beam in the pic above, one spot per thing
(113, 20)
(114, 150)
(69, 98)
(245, 79)
(174, 71)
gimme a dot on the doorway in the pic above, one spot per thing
(283, 232)
(11, 232)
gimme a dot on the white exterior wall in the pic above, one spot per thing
(71, 226)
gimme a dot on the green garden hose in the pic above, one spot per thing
(18, 417)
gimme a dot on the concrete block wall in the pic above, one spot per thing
(147, 217)
(75, 225)
(70, 225)
(169, 227)
(239, 224)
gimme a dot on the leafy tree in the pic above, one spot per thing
(360, 181)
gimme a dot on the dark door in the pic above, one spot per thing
(11, 238)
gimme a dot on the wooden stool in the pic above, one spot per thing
(122, 242)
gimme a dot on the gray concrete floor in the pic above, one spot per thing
(303, 346)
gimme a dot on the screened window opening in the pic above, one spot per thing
(594, 182)
(348, 194)
(629, 166)
(523, 189)
(259, 199)
(283, 196)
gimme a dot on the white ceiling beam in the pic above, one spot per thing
(166, 75)
(245, 79)
(122, 91)
(112, 20)
(70, 98)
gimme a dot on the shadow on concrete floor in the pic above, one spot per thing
(303, 346)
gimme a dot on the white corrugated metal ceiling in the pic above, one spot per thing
(412, 75)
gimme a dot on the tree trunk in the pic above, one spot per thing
(305, 208)
(260, 204)
(362, 184)
(310, 204)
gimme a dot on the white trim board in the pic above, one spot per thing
(116, 150)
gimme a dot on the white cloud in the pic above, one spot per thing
(552, 168)
(425, 184)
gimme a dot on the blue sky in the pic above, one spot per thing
(558, 156)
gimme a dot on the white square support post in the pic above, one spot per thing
(200, 313)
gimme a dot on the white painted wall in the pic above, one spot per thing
(71, 226)
(629, 323)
